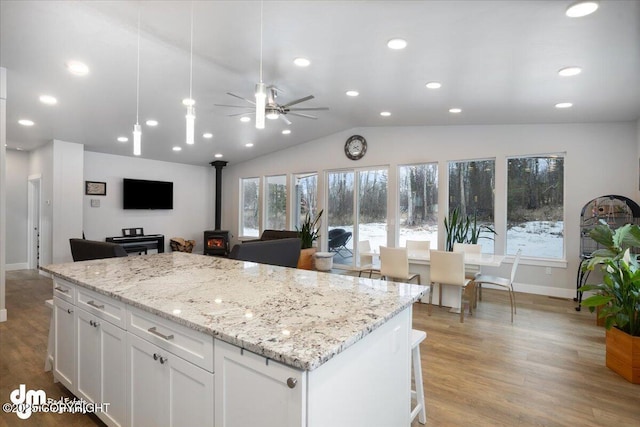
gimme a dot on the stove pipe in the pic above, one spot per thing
(218, 164)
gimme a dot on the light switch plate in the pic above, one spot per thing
(95, 203)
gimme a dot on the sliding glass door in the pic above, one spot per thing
(356, 211)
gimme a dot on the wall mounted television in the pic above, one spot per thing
(143, 194)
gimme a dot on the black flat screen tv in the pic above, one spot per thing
(143, 194)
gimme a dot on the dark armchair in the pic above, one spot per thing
(83, 250)
(338, 239)
(282, 252)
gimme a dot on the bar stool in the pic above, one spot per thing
(417, 337)
(48, 362)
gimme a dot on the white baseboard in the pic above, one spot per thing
(3, 315)
(549, 291)
(17, 266)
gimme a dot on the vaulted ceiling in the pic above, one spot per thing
(497, 61)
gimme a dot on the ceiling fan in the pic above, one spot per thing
(273, 110)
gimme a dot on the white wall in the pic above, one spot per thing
(601, 158)
(41, 163)
(193, 198)
(3, 197)
(16, 212)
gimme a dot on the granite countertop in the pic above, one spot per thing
(298, 317)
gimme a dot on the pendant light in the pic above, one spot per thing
(191, 111)
(137, 133)
(261, 88)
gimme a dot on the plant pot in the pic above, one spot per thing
(324, 261)
(623, 354)
(305, 261)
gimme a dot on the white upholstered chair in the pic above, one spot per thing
(366, 260)
(447, 268)
(470, 271)
(502, 282)
(394, 264)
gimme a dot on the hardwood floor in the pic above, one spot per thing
(545, 369)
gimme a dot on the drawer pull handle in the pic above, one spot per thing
(291, 382)
(160, 334)
(93, 304)
(63, 290)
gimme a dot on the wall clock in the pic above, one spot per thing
(355, 147)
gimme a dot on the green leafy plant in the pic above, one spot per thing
(309, 229)
(463, 229)
(619, 294)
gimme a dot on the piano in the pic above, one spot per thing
(133, 244)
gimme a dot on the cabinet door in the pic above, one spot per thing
(253, 391)
(190, 393)
(147, 388)
(88, 357)
(113, 368)
(64, 361)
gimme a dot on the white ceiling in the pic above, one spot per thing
(497, 60)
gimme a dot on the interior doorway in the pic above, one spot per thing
(33, 222)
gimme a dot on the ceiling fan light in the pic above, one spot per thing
(191, 119)
(272, 114)
(261, 97)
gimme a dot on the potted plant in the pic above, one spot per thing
(618, 296)
(309, 233)
(463, 229)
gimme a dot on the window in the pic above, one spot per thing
(276, 202)
(249, 211)
(535, 207)
(306, 194)
(471, 190)
(418, 203)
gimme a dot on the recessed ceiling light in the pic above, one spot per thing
(582, 8)
(152, 123)
(397, 44)
(569, 71)
(19, 148)
(352, 93)
(177, 148)
(433, 85)
(249, 144)
(217, 155)
(385, 114)
(188, 102)
(564, 105)
(455, 110)
(302, 62)
(48, 99)
(78, 68)
(207, 135)
(122, 139)
(286, 131)
(26, 122)
(245, 119)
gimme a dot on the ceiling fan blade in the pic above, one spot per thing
(234, 106)
(303, 115)
(298, 101)
(283, 117)
(309, 109)
(247, 113)
(239, 97)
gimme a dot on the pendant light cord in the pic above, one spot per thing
(138, 71)
(261, 15)
(191, 59)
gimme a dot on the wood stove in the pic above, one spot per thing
(216, 242)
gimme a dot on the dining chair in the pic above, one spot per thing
(447, 268)
(366, 259)
(503, 282)
(394, 264)
(471, 271)
(418, 245)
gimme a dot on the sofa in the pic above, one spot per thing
(83, 250)
(275, 235)
(283, 252)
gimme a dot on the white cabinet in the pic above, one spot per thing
(252, 390)
(101, 365)
(166, 390)
(64, 359)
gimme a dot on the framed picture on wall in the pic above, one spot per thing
(93, 188)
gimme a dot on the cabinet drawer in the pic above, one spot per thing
(186, 343)
(102, 306)
(64, 290)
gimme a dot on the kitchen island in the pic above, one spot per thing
(184, 339)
